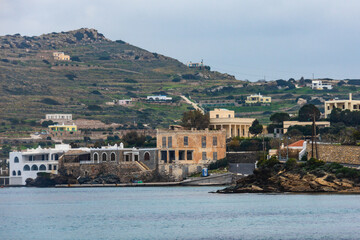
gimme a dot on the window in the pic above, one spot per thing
(214, 141)
(343, 106)
(229, 116)
(164, 156)
(96, 157)
(186, 141)
(164, 142)
(34, 168)
(217, 115)
(170, 142)
(215, 156)
(14, 173)
(147, 156)
(112, 157)
(50, 167)
(16, 160)
(54, 167)
(328, 107)
(136, 157)
(104, 157)
(171, 156)
(19, 173)
(181, 155)
(189, 155)
(203, 155)
(42, 167)
(56, 157)
(26, 168)
(31, 158)
(203, 142)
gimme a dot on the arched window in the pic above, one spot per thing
(42, 167)
(147, 156)
(96, 157)
(34, 168)
(14, 173)
(26, 168)
(19, 173)
(16, 160)
(112, 157)
(56, 157)
(104, 156)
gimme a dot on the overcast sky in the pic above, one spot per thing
(247, 38)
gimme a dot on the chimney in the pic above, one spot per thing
(350, 96)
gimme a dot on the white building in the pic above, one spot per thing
(159, 98)
(124, 101)
(318, 85)
(26, 164)
(58, 116)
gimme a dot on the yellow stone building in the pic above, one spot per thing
(257, 98)
(63, 128)
(61, 56)
(287, 124)
(352, 105)
(225, 119)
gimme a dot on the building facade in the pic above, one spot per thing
(158, 98)
(287, 124)
(61, 56)
(318, 85)
(26, 164)
(55, 117)
(234, 127)
(184, 152)
(63, 128)
(257, 98)
(352, 105)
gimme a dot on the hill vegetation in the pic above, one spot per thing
(32, 83)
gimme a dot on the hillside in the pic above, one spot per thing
(32, 83)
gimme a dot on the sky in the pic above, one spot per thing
(251, 39)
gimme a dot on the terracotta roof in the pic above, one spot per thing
(299, 143)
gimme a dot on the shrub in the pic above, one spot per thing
(129, 80)
(271, 162)
(222, 163)
(75, 59)
(94, 108)
(50, 101)
(291, 163)
(314, 163)
(120, 41)
(71, 76)
(176, 79)
(96, 92)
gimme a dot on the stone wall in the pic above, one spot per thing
(242, 157)
(337, 153)
(179, 171)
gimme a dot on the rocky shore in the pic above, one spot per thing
(313, 176)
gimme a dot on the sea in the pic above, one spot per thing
(174, 213)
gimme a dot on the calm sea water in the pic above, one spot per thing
(174, 213)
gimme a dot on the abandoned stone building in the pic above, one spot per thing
(126, 163)
(184, 152)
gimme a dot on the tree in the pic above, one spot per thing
(279, 117)
(133, 139)
(256, 128)
(307, 112)
(195, 119)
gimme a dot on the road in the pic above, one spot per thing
(193, 104)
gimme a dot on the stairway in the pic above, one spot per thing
(142, 166)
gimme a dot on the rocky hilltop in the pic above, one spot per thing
(310, 177)
(52, 40)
